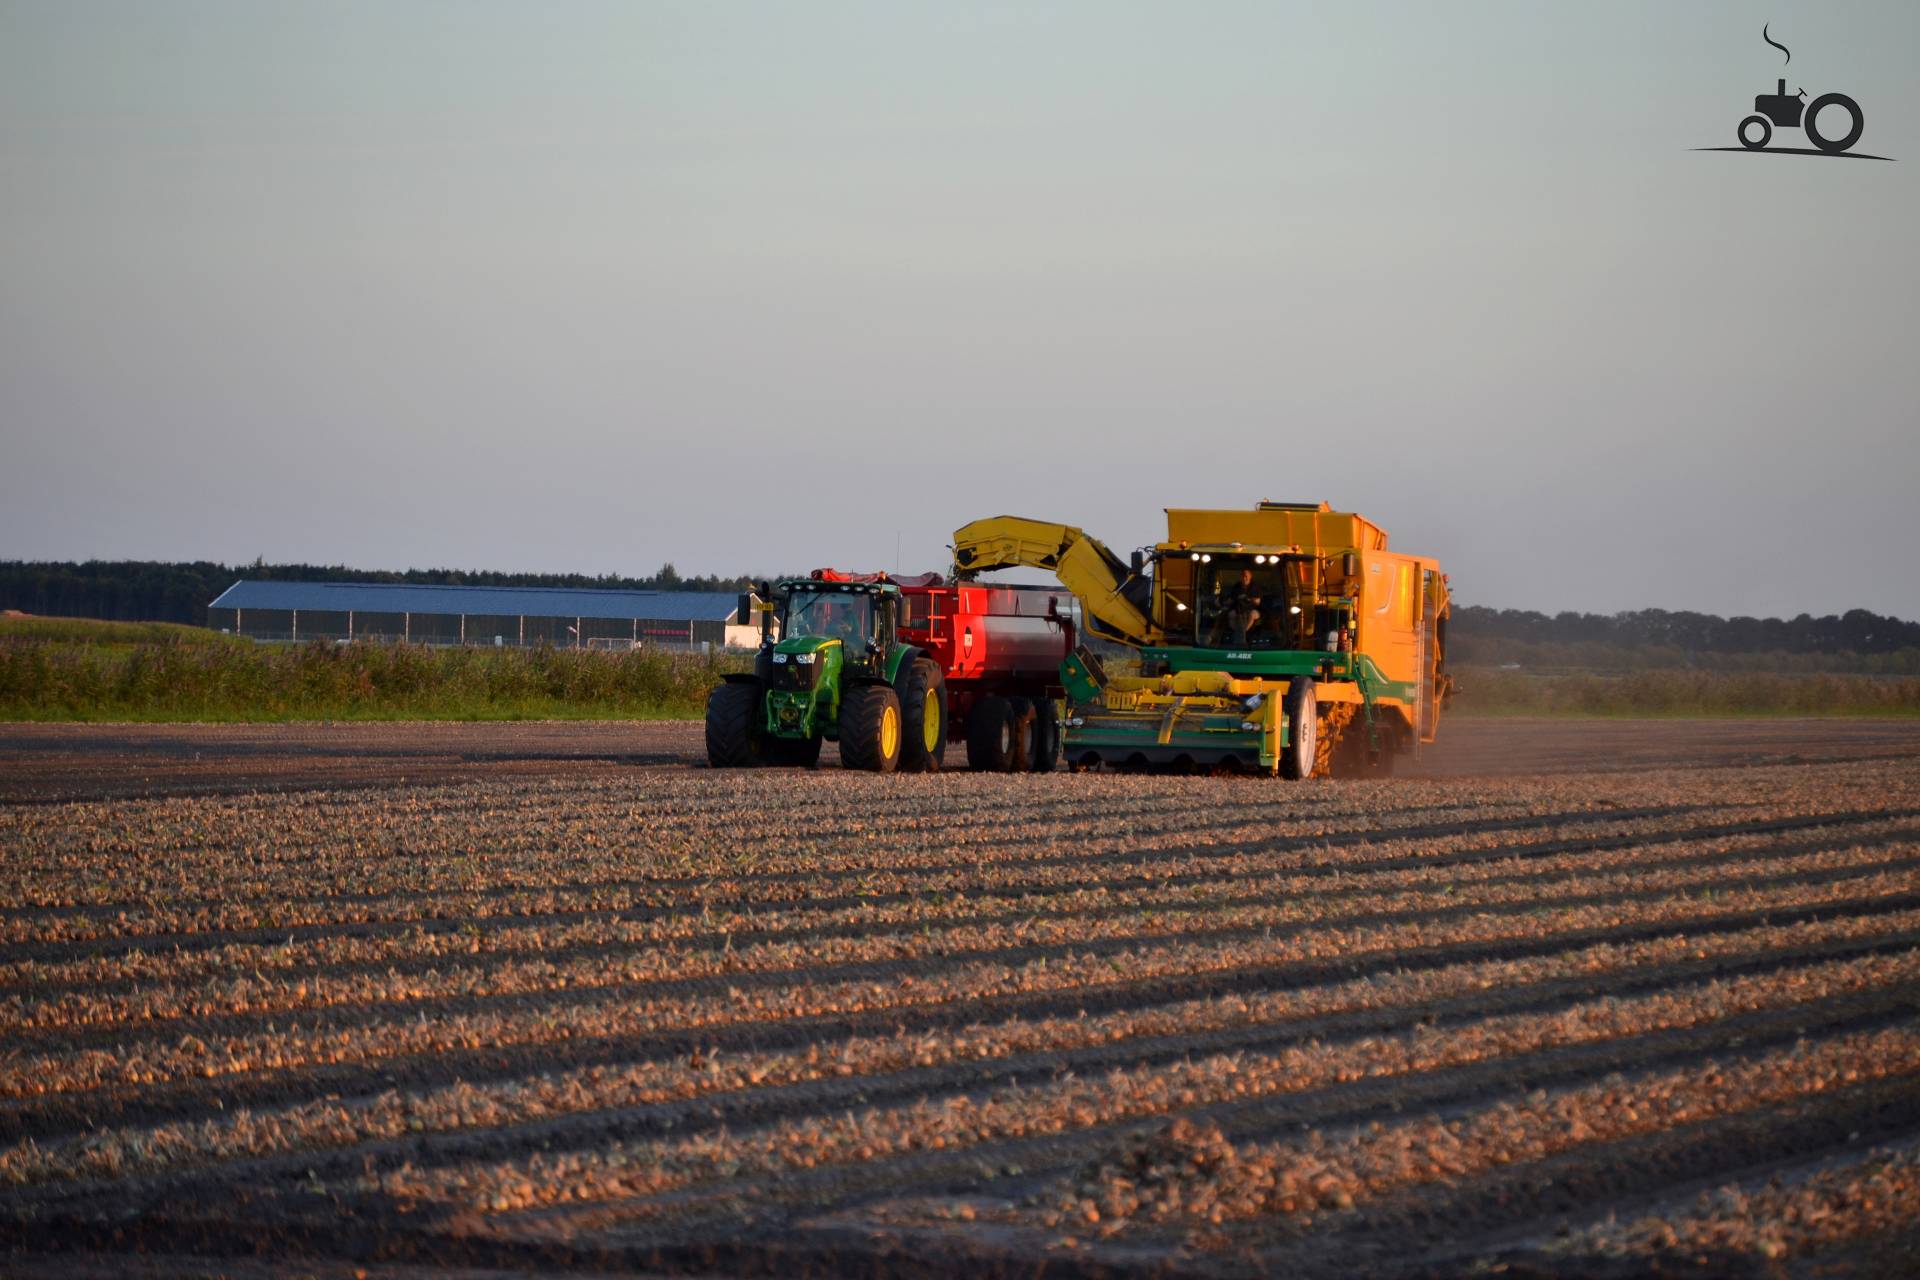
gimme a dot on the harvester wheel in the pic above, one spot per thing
(794, 753)
(870, 729)
(923, 718)
(1046, 736)
(1302, 707)
(1340, 751)
(993, 736)
(734, 740)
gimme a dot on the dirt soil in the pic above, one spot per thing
(1599, 998)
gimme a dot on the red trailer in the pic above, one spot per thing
(1000, 649)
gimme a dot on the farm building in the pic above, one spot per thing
(506, 616)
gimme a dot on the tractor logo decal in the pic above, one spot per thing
(1832, 122)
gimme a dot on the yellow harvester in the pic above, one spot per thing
(1286, 639)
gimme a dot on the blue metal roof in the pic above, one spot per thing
(531, 602)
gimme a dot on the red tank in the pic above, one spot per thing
(990, 639)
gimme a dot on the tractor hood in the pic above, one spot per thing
(799, 645)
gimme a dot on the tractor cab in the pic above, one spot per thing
(861, 617)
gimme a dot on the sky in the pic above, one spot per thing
(753, 288)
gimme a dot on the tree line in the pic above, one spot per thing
(180, 591)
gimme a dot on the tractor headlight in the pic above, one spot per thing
(804, 659)
(779, 657)
(1250, 725)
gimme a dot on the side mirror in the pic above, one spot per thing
(1350, 564)
(1139, 562)
(743, 608)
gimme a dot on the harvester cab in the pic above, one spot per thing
(837, 673)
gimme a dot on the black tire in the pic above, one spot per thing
(1026, 721)
(1766, 132)
(870, 733)
(992, 735)
(1046, 737)
(734, 739)
(1809, 122)
(793, 753)
(1302, 708)
(926, 694)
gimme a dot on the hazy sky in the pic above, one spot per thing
(588, 287)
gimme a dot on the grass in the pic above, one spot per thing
(91, 631)
(79, 669)
(87, 679)
(1492, 691)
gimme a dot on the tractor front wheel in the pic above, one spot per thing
(1756, 142)
(923, 715)
(1302, 708)
(870, 728)
(734, 738)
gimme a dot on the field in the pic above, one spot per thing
(1570, 997)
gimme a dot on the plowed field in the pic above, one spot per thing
(1609, 999)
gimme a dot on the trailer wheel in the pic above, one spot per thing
(923, 717)
(993, 735)
(870, 736)
(794, 753)
(1302, 707)
(734, 740)
(1046, 736)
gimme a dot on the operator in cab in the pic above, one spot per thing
(842, 623)
(1239, 609)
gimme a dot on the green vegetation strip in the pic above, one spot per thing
(1492, 691)
(100, 672)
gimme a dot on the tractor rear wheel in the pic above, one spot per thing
(1046, 736)
(870, 736)
(993, 736)
(1302, 708)
(923, 716)
(734, 739)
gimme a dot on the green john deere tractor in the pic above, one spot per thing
(839, 673)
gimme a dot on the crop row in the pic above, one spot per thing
(335, 1122)
(400, 871)
(599, 834)
(646, 1168)
(616, 1011)
(703, 915)
(659, 949)
(176, 920)
(1321, 1173)
(1874, 1192)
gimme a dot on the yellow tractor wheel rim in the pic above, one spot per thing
(889, 732)
(930, 720)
